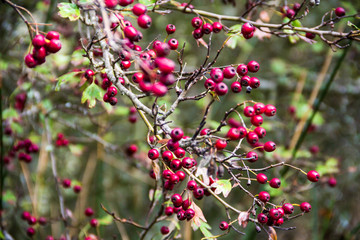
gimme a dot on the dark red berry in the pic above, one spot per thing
(264, 196)
(290, 13)
(261, 178)
(207, 28)
(197, 33)
(252, 138)
(181, 215)
(262, 218)
(221, 89)
(313, 176)
(170, 28)
(254, 82)
(52, 35)
(144, 21)
(187, 162)
(340, 12)
(125, 65)
(162, 49)
(259, 108)
(192, 185)
(270, 110)
(247, 29)
(229, 72)
(173, 44)
(288, 208)
(220, 144)
(94, 222)
(217, 75)
(256, 120)
(130, 32)
(224, 226)
(159, 89)
(110, 3)
(269, 146)
(38, 41)
(209, 84)
(39, 54)
(164, 230)
(204, 132)
(66, 183)
(245, 81)
(296, 7)
(253, 155)
(137, 77)
(25, 215)
(77, 189)
(175, 164)
(242, 69)
(305, 207)
(332, 182)
(153, 154)
(176, 134)
(165, 65)
(53, 46)
(169, 211)
(112, 91)
(181, 175)
(179, 153)
(30, 61)
(236, 87)
(176, 199)
(274, 213)
(32, 220)
(172, 145)
(30, 231)
(196, 22)
(216, 27)
(189, 214)
(253, 66)
(42, 221)
(174, 179)
(198, 193)
(125, 3)
(261, 132)
(249, 111)
(233, 134)
(275, 183)
(167, 156)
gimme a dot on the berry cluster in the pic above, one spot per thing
(66, 183)
(32, 220)
(61, 141)
(27, 145)
(202, 27)
(43, 46)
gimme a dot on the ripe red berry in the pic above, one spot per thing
(296, 7)
(139, 9)
(262, 218)
(204, 132)
(269, 146)
(176, 134)
(196, 22)
(169, 211)
(332, 182)
(30, 231)
(274, 213)
(77, 189)
(39, 54)
(167, 156)
(310, 35)
(253, 66)
(32, 220)
(252, 138)
(221, 89)
(170, 28)
(340, 12)
(111, 91)
(275, 183)
(198, 193)
(254, 82)
(165, 65)
(175, 164)
(130, 32)
(173, 44)
(94, 222)
(209, 84)
(125, 3)
(242, 69)
(261, 132)
(172, 145)
(66, 183)
(220, 144)
(131, 149)
(189, 214)
(279, 221)
(270, 110)
(30, 61)
(52, 35)
(261, 178)
(259, 108)
(249, 111)
(229, 72)
(187, 162)
(288, 208)
(179, 153)
(256, 120)
(181, 215)
(197, 33)
(162, 49)
(245, 81)
(290, 13)
(235, 87)
(89, 212)
(216, 27)
(153, 154)
(305, 207)
(207, 28)
(253, 155)
(224, 226)
(313, 176)
(125, 65)
(191, 185)
(110, 3)
(233, 134)
(53, 46)
(52, 238)
(247, 29)
(25, 215)
(42, 221)
(217, 75)
(159, 89)
(164, 230)
(264, 196)
(38, 41)
(176, 199)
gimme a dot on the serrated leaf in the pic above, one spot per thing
(204, 228)
(65, 78)
(91, 93)
(235, 28)
(69, 10)
(10, 113)
(222, 186)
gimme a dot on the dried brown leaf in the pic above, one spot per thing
(243, 219)
(272, 234)
(156, 169)
(163, 141)
(198, 214)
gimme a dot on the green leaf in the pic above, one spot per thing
(121, 111)
(107, 220)
(329, 167)
(157, 195)
(235, 28)
(69, 10)
(147, 2)
(234, 41)
(204, 228)
(222, 186)
(91, 93)
(2, 235)
(16, 127)
(10, 113)
(296, 23)
(65, 78)
(9, 196)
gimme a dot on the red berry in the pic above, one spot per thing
(66, 183)
(125, 65)
(111, 91)
(247, 29)
(196, 22)
(290, 13)
(313, 176)
(164, 230)
(217, 75)
(252, 138)
(180, 153)
(165, 65)
(261, 178)
(77, 189)
(25, 215)
(175, 164)
(259, 108)
(261, 132)
(173, 44)
(233, 134)
(186, 204)
(207, 28)
(189, 214)
(94, 222)
(167, 79)
(177, 134)
(310, 35)
(125, 3)
(174, 179)
(249, 111)
(264, 196)
(197, 33)
(138, 77)
(144, 21)
(279, 221)
(52, 238)
(245, 81)
(332, 182)
(274, 213)
(296, 7)
(153, 154)
(42, 221)
(242, 69)
(169, 211)
(275, 183)
(89, 74)
(30, 61)
(204, 132)
(224, 226)
(305, 207)
(39, 54)
(262, 218)
(162, 49)
(131, 149)
(269, 146)
(221, 89)
(110, 3)
(209, 84)
(176, 199)
(181, 174)
(130, 32)
(32, 220)
(53, 46)
(229, 72)
(172, 145)
(52, 35)
(288, 208)
(167, 156)
(192, 185)
(254, 82)
(181, 215)
(340, 12)
(270, 110)
(198, 193)
(159, 89)
(256, 120)
(170, 28)
(253, 66)
(139, 9)
(38, 41)
(216, 27)
(187, 162)
(235, 87)
(30, 231)
(220, 144)
(252, 155)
